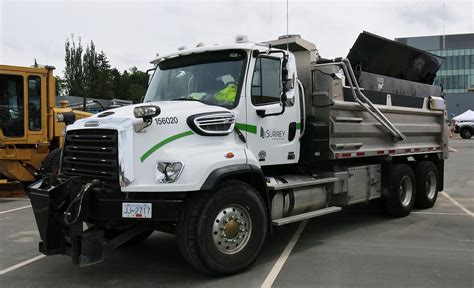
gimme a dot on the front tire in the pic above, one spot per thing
(426, 184)
(401, 196)
(223, 232)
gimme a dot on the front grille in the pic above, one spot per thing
(92, 154)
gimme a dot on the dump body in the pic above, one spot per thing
(338, 127)
(345, 129)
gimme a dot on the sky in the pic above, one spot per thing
(132, 32)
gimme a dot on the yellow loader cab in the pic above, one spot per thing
(29, 129)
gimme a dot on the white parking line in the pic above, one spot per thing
(26, 262)
(284, 256)
(439, 213)
(458, 204)
(11, 210)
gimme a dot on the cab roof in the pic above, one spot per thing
(11, 68)
(249, 46)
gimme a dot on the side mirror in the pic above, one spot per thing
(149, 74)
(289, 99)
(290, 83)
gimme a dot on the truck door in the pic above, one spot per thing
(273, 139)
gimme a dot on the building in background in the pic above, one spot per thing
(457, 73)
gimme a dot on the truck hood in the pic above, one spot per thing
(124, 115)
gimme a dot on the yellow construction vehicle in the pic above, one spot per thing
(31, 126)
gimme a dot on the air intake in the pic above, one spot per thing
(212, 124)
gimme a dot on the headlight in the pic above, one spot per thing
(67, 117)
(145, 112)
(168, 172)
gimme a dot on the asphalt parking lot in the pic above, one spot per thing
(356, 247)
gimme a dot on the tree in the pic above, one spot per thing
(91, 71)
(138, 85)
(60, 85)
(104, 85)
(89, 74)
(73, 72)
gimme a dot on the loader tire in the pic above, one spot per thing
(222, 233)
(426, 184)
(52, 161)
(402, 191)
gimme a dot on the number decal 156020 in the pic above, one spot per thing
(166, 120)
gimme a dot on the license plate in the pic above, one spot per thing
(136, 210)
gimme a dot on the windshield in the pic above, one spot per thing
(212, 78)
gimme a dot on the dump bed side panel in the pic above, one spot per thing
(355, 133)
(337, 127)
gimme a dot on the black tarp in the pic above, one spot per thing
(382, 56)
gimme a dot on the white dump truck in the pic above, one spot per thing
(232, 141)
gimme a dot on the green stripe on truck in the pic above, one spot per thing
(163, 143)
(245, 127)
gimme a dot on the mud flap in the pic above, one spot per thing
(92, 247)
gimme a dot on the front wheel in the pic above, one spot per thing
(223, 232)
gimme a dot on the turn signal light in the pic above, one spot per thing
(229, 155)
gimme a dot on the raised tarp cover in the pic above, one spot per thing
(382, 56)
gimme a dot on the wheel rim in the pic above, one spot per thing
(231, 229)
(430, 185)
(405, 190)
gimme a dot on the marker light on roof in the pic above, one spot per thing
(241, 39)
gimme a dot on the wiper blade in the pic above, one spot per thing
(185, 99)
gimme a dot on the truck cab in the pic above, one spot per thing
(232, 140)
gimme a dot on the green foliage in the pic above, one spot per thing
(89, 74)
(73, 73)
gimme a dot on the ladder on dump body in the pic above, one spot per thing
(366, 103)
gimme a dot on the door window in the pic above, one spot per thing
(11, 105)
(34, 103)
(266, 81)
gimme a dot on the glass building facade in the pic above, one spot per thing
(457, 73)
(456, 76)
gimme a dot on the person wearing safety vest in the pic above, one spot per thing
(228, 94)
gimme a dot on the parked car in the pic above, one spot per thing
(465, 129)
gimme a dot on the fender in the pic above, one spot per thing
(238, 169)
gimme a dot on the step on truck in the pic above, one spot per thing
(233, 141)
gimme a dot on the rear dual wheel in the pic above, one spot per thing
(401, 196)
(426, 184)
(408, 188)
(223, 232)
